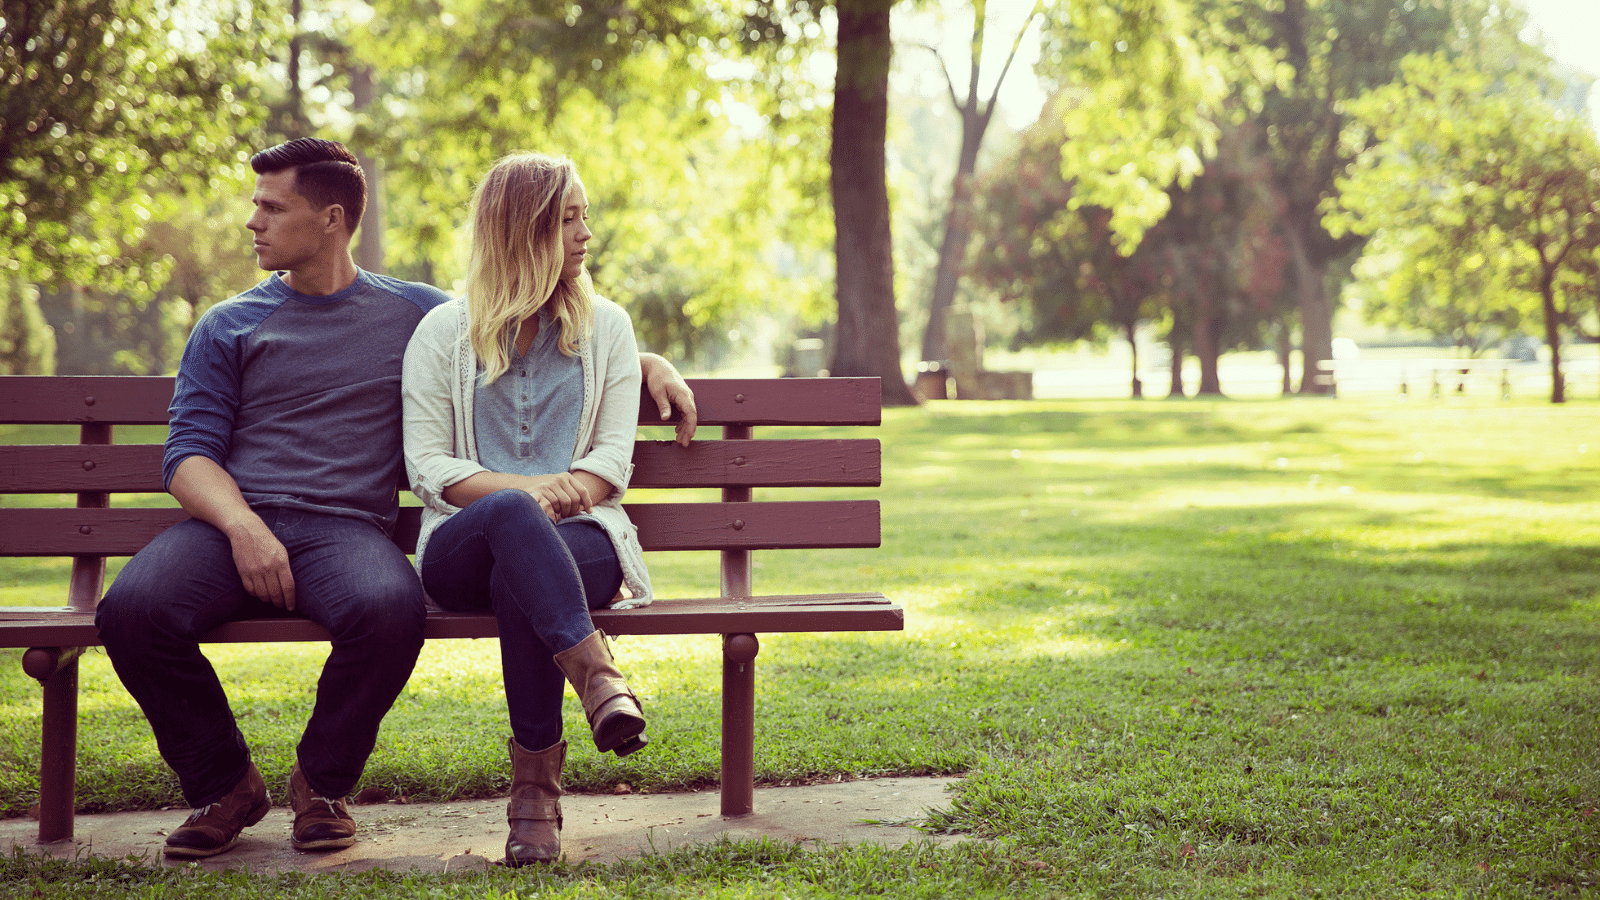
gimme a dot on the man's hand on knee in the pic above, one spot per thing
(207, 492)
(263, 565)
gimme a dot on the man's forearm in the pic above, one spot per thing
(207, 492)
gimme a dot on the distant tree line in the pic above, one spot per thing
(1221, 169)
(1409, 153)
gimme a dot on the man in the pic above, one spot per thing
(285, 450)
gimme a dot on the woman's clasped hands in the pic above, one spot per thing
(560, 496)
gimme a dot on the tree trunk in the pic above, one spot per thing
(1131, 329)
(957, 228)
(1205, 346)
(1316, 314)
(867, 339)
(1175, 361)
(294, 123)
(1552, 337)
(78, 350)
(1285, 351)
(369, 243)
(975, 117)
(952, 252)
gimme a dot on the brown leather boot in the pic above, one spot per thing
(215, 827)
(534, 812)
(614, 713)
(319, 823)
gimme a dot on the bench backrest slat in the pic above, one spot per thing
(780, 401)
(143, 400)
(72, 468)
(788, 525)
(136, 468)
(792, 525)
(75, 399)
(778, 462)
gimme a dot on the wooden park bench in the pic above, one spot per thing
(90, 529)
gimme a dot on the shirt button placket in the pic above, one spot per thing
(527, 416)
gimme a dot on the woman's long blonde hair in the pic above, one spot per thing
(517, 256)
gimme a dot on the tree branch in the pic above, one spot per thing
(1016, 43)
(949, 82)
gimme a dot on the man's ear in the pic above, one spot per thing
(333, 217)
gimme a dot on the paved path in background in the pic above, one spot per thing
(440, 837)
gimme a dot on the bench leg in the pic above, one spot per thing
(739, 723)
(58, 762)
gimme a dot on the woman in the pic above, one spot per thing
(520, 406)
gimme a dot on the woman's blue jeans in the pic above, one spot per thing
(349, 578)
(541, 579)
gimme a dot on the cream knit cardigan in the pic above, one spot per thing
(438, 382)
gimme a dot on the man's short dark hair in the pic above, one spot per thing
(325, 173)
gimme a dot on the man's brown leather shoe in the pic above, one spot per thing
(319, 823)
(215, 827)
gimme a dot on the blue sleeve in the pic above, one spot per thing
(424, 296)
(205, 397)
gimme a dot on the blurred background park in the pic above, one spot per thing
(1111, 199)
(1245, 645)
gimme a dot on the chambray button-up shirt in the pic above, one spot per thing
(526, 422)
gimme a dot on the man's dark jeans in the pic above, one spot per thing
(349, 578)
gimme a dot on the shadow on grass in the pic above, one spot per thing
(1108, 430)
(1140, 448)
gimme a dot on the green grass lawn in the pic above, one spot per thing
(1278, 648)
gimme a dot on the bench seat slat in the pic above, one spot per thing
(136, 468)
(792, 525)
(23, 627)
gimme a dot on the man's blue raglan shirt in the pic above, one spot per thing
(298, 396)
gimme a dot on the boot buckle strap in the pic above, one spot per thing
(534, 809)
(624, 692)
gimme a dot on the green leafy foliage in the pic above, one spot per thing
(1144, 88)
(26, 345)
(697, 225)
(108, 108)
(1488, 195)
(1055, 263)
(1211, 268)
(1203, 165)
